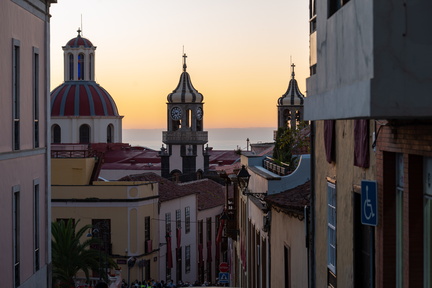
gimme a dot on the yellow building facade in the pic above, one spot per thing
(123, 214)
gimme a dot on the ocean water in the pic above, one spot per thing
(219, 138)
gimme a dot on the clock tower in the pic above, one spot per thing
(184, 157)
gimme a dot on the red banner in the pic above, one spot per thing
(169, 252)
(209, 251)
(219, 235)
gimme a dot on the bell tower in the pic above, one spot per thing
(184, 157)
(290, 105)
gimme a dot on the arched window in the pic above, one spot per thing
(81, 66)
(84, 134)
(71, 66)
(90, 66)
(56, 134)
(110, 133)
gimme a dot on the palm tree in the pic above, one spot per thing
(69, 255)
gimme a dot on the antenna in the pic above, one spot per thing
(81, 26)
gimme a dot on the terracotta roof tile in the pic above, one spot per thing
(291, 201)
(210, 193)
(168, 190)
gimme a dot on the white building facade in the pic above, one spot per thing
(24, 145)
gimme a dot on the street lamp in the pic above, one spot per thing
(243, 177)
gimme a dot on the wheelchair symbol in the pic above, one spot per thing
(368, 211)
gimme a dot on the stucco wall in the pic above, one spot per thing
(346, 176)
(127, 225)
(26, 167)
(186, 238)
(288, 231)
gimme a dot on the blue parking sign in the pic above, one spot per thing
(369, 203)
(223, 277)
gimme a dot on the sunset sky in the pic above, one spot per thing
(238, 52)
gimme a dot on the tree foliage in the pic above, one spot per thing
(288, 141)
(70, 255)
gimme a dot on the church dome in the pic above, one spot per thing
(293, 96)
(185, 92)
(79, 41)
(82, 98)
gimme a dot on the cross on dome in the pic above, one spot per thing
(79, 32)
(184, 62)
(292, 73)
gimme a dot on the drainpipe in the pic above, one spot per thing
(311, 250)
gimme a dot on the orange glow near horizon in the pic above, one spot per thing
(238, 55)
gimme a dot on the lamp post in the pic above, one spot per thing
(243, 177)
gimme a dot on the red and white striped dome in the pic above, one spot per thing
(79, 41)
(82, 98)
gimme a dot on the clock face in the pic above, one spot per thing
(176, 113)
(199, 113)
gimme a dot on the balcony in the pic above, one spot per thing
(184, 136)
(280, 169)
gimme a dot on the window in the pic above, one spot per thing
(56, 134)
(187, 220)
(209, 247)
(102, 230)
(16, 234)
(178, 249)
(84, 134)
(188, 259)
(169, 256)
(287, 267)
(178, 218)
(81, 67)
(335, 5)
(167, 223)
(399, 219)
(427, 222)
(312, 16)
(35, 97)
(71, 67)
(331, 227)
(313, 69)
(148, 247)
(16, 94)
(91, 57)
(110, 132)
(36, 225)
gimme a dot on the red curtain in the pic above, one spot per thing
(219, 235)
(209, 251)
(329, 140)
(169, 253)
(217, 256)
(200, 253)
(178, 244)
(361, 143)
(178, 237)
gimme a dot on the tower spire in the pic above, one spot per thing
(292, 73)
(184, 62)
